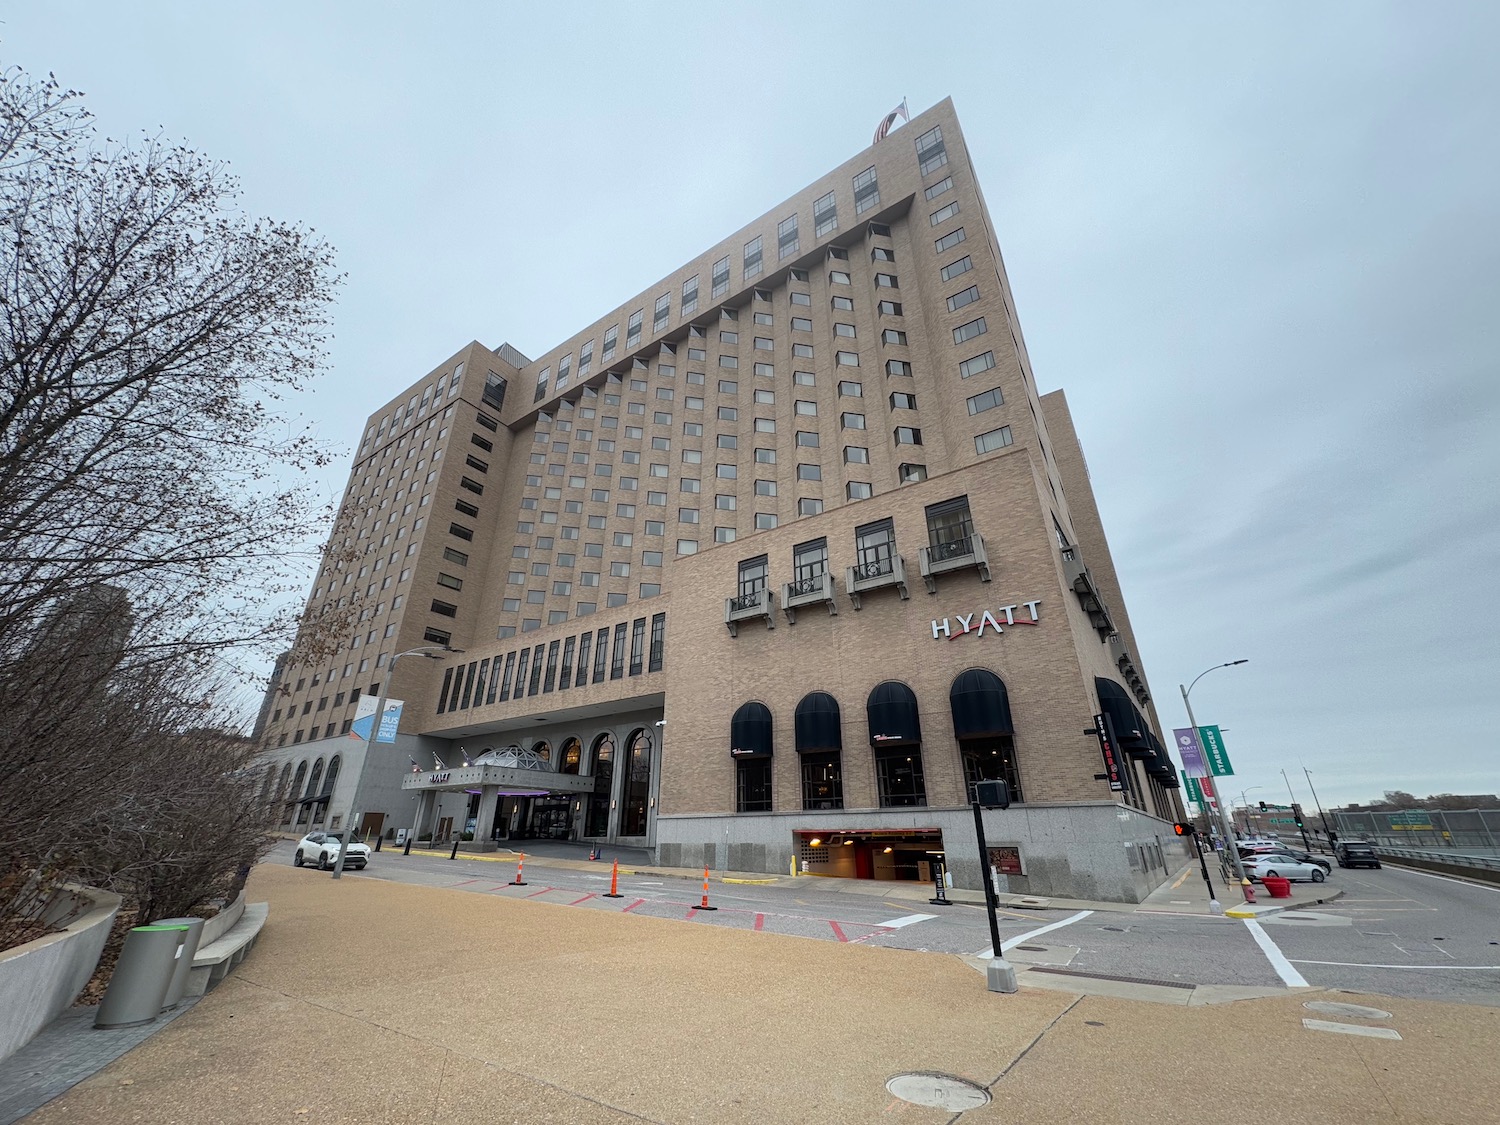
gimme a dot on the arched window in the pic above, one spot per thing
(333, 774)
(896, 738)
(751, 745)
(637, 789)
(982, 724)
(315, 809)
(284, 794)
(820, 742)
(572, 756)
(542, 750)
(597, 821)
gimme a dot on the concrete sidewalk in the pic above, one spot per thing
(374, 1001)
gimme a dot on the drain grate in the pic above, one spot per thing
(1109, 976)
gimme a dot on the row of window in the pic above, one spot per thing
(558, 666)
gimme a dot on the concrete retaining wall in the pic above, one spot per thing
(40, 979)
(1106, 852)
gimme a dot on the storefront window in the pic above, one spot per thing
(991, 759)
(898, 776)
(752, 785)
(822, 781)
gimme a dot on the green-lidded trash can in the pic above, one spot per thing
(184, 963)
(142, 976)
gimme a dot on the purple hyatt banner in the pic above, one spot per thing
(1191, 753)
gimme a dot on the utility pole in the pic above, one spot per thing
(1301, 827)
(1225, 823)
(1326, 830)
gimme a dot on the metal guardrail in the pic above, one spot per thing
(1477, 866)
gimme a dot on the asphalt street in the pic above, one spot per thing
(1396, 932)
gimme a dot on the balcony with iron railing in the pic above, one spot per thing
(748, 607)
(953, 547)
(808, 592)
(877, 574)
(1081, 581)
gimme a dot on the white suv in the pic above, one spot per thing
(322, 848)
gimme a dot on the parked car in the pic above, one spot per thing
(1279, 863)
(322, 848)
(1356, 853)
(1247, 852)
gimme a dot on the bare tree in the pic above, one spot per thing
(150, 331)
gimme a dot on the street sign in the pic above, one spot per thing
(1190, 752)
(1112, 770)
(1213, 749)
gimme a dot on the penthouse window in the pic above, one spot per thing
(752, 258)
(611, 339)
(825, 215)
(690, 296)
(585, 359)
(541, 384)
(721, 277)
(866, 191)
(932, 154)
(787, 242)
(662, 313)
(633, 328)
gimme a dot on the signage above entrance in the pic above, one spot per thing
(987, 620)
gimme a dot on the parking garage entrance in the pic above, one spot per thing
(904, 855)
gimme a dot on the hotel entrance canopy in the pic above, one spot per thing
(510, 781)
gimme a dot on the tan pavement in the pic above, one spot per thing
(370, 1001)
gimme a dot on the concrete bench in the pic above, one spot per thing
(213, 961)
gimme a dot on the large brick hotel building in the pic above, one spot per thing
(765, 567)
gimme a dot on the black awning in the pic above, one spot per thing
(892, 712)
(817, 722)
(980, 705)
(750, 732)
(1131, 729)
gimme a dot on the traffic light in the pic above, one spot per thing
(1297, 813)
(992, 794)
(1183, 829)
(1262, 806)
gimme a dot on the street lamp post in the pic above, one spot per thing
(1246, 802)
(1226, 825)
(430, 652)
(1328, 834)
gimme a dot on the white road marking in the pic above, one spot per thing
(1351, 1029)
(1367, 965)
(1446, 879)
(1010, 943)
(1289, 975)
(905, 920)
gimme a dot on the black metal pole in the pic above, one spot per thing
(1203, 862)
(990, 905)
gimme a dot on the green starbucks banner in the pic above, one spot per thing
(1213, 749)
(1194, 792)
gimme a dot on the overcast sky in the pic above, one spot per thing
(1257, 246)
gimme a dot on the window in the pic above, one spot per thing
(692, 429)
(988, 400)
(949, 240)
(689, 484)
(809, 564)
(753, 575)
(471, 485)
(977, 364)
(451, 581)
(908, 435)
(967, 297)
(765, 456)
(455, 556)
(787, 242)
(689, 296)
(842, 304)
(943, 214)
(460, 531)
(994, 439)
(447, 609)
(949, 529)
(687, 515)
(801, 324)
(866, 191)
(841, 329)
(728, 414)
(809, 472)
(888, 308)
(893, 336)
(801, 298)
(484, 443)
(931, 152)
(809, 506)
(900, 400)
(633, 328)
(725, 502)
(721, 277)
(856, 455)
(852, 421)
(875, 548)
(765, 397)
(687, 546)
(658, 642)
(802, 351)
(752, 785)
(752, 258)
(847, 359)
(487, 422)
(858, 490)
(601, 654)
(807, 438)
(765, 521)
(838, 277)
(887, 281)
(937, 189)
(825, 215)
(726, 472)
(969, 331)
(882, 254)
(763, 343)
(806, 407)
(637, 646)
(728, 441)
(651, 558)
(912, 473)
(850, 389)
(611, 339)
(804, 378)
(898, 778)
(617, 660)
(958, 268)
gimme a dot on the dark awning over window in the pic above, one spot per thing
(750, 732)
(818, 726)
(892, 711)
(980, 704)
(1130, 728)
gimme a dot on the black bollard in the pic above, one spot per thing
(377, 842)
(454, 853)
(407, 850)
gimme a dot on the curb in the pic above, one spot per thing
(1263, 911)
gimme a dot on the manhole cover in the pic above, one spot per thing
(1033, 948)
(938, 1091)
(1348, 1011)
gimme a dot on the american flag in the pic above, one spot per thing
(890, 119)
